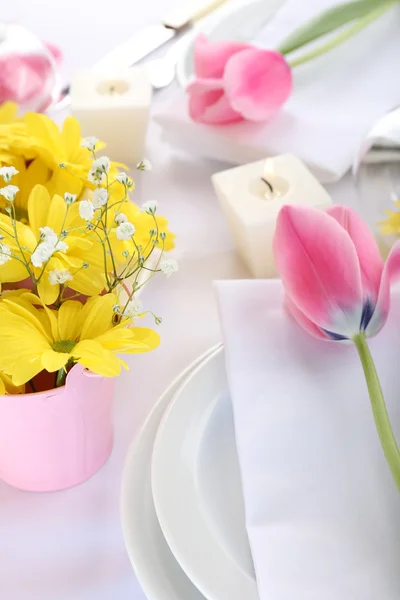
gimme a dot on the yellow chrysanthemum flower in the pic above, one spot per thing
(36, 147)
(11, 127)
(143, 223)
(392, 224)
(54, 147)
(29, 174)
(7, 386)
(74, 251)
(35, 338)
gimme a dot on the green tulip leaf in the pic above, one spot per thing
(329, 20)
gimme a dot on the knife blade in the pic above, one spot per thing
(136, 48)
(139, 46)
(144, 43)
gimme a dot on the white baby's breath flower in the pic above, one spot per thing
(149, 207)
(90, 143)
(61, 247)
(5, 253)
(57, 276)
(86, 210)
(47, 234)
(9, 192)
(96, 177)
(122, 178)
(42, 254)
(133, 309)
(99, 197)
(101, 164)
(125, 231)
(144, 165)
(168, 266)
(120, 218)
(69, 198)
(7, 173)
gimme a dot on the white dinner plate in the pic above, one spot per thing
(197, 490)
(239, 20)
(156, 569)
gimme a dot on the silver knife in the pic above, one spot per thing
(144, 43)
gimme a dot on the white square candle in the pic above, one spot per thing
(114, 107)
(251, 197)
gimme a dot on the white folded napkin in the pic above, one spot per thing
(322, 511)
(335, 100)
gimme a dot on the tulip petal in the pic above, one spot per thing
(319, 267)
(208, 103)
(390, 275)
(371, 263)
(257, 83)
(304, 321)
(210, 58)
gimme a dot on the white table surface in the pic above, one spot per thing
(69, 545)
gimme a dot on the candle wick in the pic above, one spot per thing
(271, 189)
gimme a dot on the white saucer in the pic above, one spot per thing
(157, 570)
(197, 489)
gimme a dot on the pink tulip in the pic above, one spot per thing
(336, 283)
(236, 81)
(27, 78)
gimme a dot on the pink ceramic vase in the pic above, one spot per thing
(56, 439)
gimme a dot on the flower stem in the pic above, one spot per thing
(359, 25)
(60, 377)
(382, 421)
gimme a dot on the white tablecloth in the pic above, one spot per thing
(69, 545)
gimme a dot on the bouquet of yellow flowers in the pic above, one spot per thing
(74, 253)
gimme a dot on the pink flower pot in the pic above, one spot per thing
(56, 439)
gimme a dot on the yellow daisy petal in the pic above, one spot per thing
(71, 134)
(56, 214)
(54, 361)
(92, 356)
(8, 112)
(47, 292)
(38, 208)
(25, 370)
(24, 309)
(69, 320)
(143, 335)
(97, 316)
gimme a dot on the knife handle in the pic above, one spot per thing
(185, 15)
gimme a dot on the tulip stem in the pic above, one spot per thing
(382, 421)
(342, 37)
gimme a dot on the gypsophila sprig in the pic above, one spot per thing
(101, 164)
(90, 143)
(7, 173)
(120, 218)
(150, 207)
(9, 192)
(5, 253)
(56, 276)
(144, 165)
(168, 266)
(86, 210)
(122, 178)
(99, 197)
(69, 198)
(133, 309)
(125, 231)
